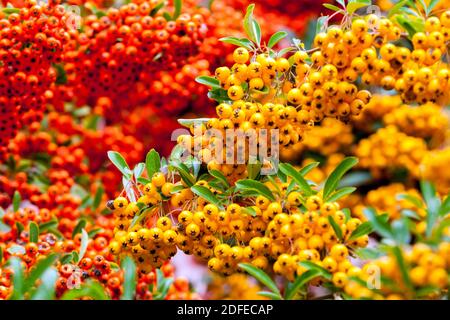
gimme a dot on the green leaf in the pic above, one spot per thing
(91, 289)
(10, 10)
(163, 285)
(188, 123)
(18, 279)
(61, 74)
(412, 199)
(378, 223)
(67, 258)
(261, 276)
(255, 186)
(129, 285)
(431, 6)
(206, 194)
(322, 23)
(333, 180)
(276, 37)
(433, 204)
(158, 7)
(209, 81)
(338, 194)
(47, 225)
(138, 170)
(152, 162)
(312, 266)
(402, 266)
(336, 227)
(445, 206)
(80, 225)
(396, 8)
(400, 230)
(220, 95)
(16, 201)
(187, 177)
(94, 232)
(34, 232)
(363, 229)
(242, 42)
(331, 7)
(353, 6)
(253, 170)
(270, 295)
(251, 27)
(138, 218)
(290, 171)
(46, 291)
(177, 4)
(306, 169)
(98, 197)
(219, 176)
(120, 163)
(19, 227)
(355, 179)
(406, 24)
(38, 270)
(300, 282)
(249, 211)
(84, 243)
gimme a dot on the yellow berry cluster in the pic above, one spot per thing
(370, 118)
(385, 199)
(425, 121)
(426, 267)
(432, 166)
(142, 230)
(389, 149)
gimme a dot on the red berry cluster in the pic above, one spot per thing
(32, 38)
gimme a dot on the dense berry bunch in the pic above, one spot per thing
(32, 38)
(114, 52)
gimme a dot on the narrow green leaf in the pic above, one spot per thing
(38, 270)
(249, 211)
(177, 4)
(18, 279)
(353, 6)
(46, 291)
(98, 197)
(312, 266)
(306, 169)
(138, 170)
(129, 285)
(290, 171)
(322, 24)
(270, 295)
(16, 201)
(34, 232)
(80, 225)
(433, 204)
(152, 162)
(336, 227)
(431, 6)
(84, 243)
(363, 229)
(243, 42)
(402, 267)
(396, 8)
(120, 163)
(206, 194)
(209, 81)
(91, 289)
(183, 171)
(333, 180)
(300, 282)
(261, 276)
(331, 7)
(155, 10)
(338, 194)
(94, 232)
(47, 225)
(253, 170)
(276, 37)
(445, 206)
(412, 199)
(219, 176)
(255, 186)
(138, 218)
(163, 285)
(355, 179)
(379, 225)
(19, 227)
